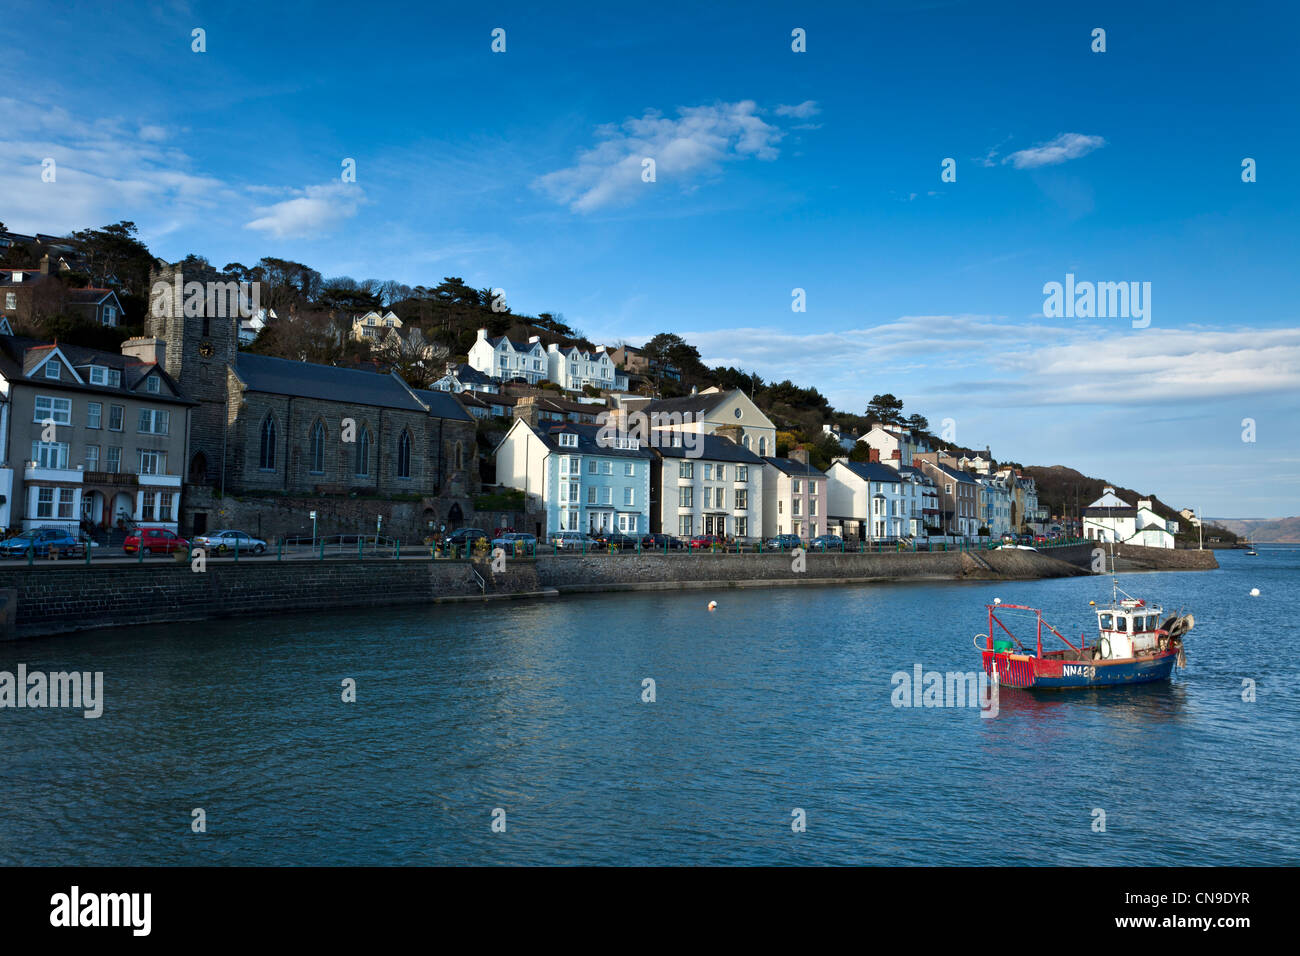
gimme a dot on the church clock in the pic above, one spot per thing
(206, 349)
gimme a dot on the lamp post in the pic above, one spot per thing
(313, 531)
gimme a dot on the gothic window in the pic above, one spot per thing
(363, 453)
(266, 458)
(404, 455)
(318, 449)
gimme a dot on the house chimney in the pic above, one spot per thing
(873, 454)
(145, 349)
(534, 339)
(732, 433)
(1145, 503)
(482, 334)
(800, 455)
(45, 264)
(526, 408)
(553, 347)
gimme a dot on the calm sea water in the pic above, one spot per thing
(779, 699)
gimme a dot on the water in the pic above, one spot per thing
(779, 699)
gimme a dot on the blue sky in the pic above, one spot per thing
(775, 170)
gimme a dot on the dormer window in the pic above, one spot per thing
(98, 375)
(152, 384)
(115, 377)
(568, 440)
(52, 368)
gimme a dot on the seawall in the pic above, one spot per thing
(58, 597)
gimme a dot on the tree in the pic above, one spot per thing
(886, 409)
(115, 253)
(918, 423)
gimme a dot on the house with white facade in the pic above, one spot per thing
(794, 497)
(573, 368)
(995, 505)
(715, 487)
(895, 445)
(870, 502)
(1111, 518)
(503, 359)
(460, 377)
(580, 483)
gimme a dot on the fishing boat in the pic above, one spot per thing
(1136, 643)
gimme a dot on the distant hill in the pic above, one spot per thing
(1263, 530)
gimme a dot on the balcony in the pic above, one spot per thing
(109, 478)
(37, 472)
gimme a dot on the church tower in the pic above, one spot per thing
(196, 315)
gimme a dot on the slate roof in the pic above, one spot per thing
(714, 448)
(277, 376)
(873, 471)
(795, 469)
(443, 405)
(469, 375)
(517, 346)
(587, 445)
(957, 473)
(19, 356)
(697, 404)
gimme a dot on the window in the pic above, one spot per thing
(722, 473)
(742, 473)
(812, 487)
(152, 462)
(746, 443)
(363, 453)
(98, 375)
(629, 470)
(266, 446)
(708, 471)
(607, 467)
(796, 486)
(796, 510)
(115, 377)
(568, 440)
(318, 449)
(52, 368)
(57, 409)
(404, 455)
(780, 507)
(591, 466)
(92, 458)
(165, 506)
(591, 495)
(686, 497)
(155, 421)
(116, 414)
(684, 526)
(50, 454)
(742, 527)
(742, 499)
(114, 464)
(94, 412)
(947, 488)
(11, 300)
(686, 469)
(720, 496)
(573, 492)
(153, 384)
(762, 446)
(629, 496)
(45, 502)
(812, 508)
(607, 495)
(110, 315)
(147, 506)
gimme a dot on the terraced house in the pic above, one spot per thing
(720, 492)
(503, 360)
(90, 439)
(580, 483)
(794, 497)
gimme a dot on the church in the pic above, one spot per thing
(273, 439)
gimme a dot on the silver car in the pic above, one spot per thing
(224, 541)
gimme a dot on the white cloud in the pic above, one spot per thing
(804, 110)
(317, 210)
(1065, 147)
(694, 144)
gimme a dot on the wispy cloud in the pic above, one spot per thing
(317, 210)
(694, 144)
(805, 110)
(1065, 147)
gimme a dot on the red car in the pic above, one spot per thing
(703, 542)
(155, 541)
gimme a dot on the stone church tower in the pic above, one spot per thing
(197, 319)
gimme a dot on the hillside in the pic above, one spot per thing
(1263, 530)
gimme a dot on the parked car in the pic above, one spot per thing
(154, 541)
(783, 542)
(470, 536)
(703, 542)
(826, 542)
(1040, 539)
(657, 542)
(572, 541)
(43, 542)
(230, 541)
(514, 542)
(618, 540)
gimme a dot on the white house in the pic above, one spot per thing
(872, 502)
(461, 378)
(895, 445)
(794, 497)
(1111, 518)
(572, 368)
(995, 505)
(502, 359)
(719, 492)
